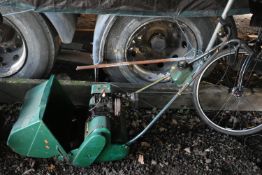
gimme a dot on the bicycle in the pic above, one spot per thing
(235, 78)
(238, 113)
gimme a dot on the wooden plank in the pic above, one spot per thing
(14, 90)
(86, 22)
(214, 98)
(85, 30)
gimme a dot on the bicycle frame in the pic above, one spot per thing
(195, 73)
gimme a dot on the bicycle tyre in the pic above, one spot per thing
(206, 114)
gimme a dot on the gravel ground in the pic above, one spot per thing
(179, 144)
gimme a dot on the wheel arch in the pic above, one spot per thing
(64, 24)
(103, 25)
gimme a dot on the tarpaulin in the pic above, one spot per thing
(131, 7)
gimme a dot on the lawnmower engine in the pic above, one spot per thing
(47, 127)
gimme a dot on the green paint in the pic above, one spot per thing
(180, 75)
(100, 88)
(88, 151)
(97, 136)
(31, 136)
(99, 124)
(113, 152)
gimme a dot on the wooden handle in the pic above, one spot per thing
(129, 63)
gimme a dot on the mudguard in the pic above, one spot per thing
(103, 26)
(65, 25)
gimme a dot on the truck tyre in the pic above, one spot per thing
(140, 38)
(27, 47)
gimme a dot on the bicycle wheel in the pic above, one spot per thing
(221, 102)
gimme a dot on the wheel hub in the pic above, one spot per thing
(158, 43)
(12, 50)
(159, 39)
(238, 92)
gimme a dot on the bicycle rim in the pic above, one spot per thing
(223, 106)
